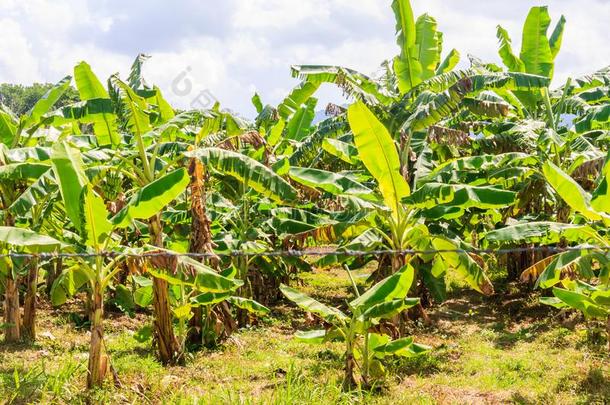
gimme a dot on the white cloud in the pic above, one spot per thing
(278, 13)
(17, 61)
(237, 46)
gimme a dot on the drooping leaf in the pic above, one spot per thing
(35, 194)
(68, 283)
(570, 191)
(192, 273)
(249, 305)
(28, 240)
(544, 233)
(464, 196)
(367, 240)
(343, 150)
(209, 298)
(310, 305)
(330, 182)
(350, 81)
(404, 347)
(463, 264)
(123, 299)
(247, 170)
(23, 171)
(143, 296)
(581, 302)
(597, 117)
(315, 336)
(561, 262)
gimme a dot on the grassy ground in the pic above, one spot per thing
(486, 350)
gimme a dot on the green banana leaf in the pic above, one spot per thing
(247, 170)
(343, 150)
(407, 67)
(46, 102)
(27, 240)
(377, 151)
(194, 274)
(544, 233)
(535, 47)
(310, 305)
(571, 192)
(315, 336)
(331, 182)
(69, 283)
(152, 198)
(432, 194)
(249, 305)
(389, 309)
(393, 287)
(404, 347)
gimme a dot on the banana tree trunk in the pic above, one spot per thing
(52, 274)
(608, 331)
(11, 310)
(98, 364)
(349, 382)
(194, 337)
(165, 339)
(200, 240)
(29, 307)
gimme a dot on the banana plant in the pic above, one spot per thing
(210, 299)
(95, 228)
(143, 113)
(246, 185)
(367, 341)
(591, 215)
(419, 60)
(21, 131)
(420, 48)
(16, 174)
(23, 161)
(538, 51)
(396, 223)
(592, 300)
(19, 240)
(192, 285)
(87, 213)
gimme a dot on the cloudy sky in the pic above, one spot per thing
(228, 49)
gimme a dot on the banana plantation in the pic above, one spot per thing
(155, 255)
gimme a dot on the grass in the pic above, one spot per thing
(486, 350)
